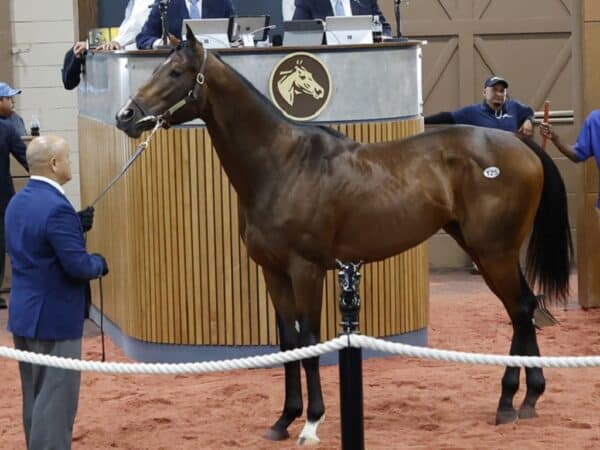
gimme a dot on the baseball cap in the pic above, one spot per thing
(493, 81)
(7, 91)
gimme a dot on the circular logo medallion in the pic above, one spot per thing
(300, 86)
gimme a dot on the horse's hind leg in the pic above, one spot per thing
(505, 278)
(536, 384)
(280, 289)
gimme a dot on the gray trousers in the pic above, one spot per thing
(50, 395)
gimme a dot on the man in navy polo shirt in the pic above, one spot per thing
(496, 111)
(587, 145)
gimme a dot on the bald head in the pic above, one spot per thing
(48, 156)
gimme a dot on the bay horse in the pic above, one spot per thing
(308, 195)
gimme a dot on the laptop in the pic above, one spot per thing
(349, 30)
(254, 25)
(303, 33)
(212, 33)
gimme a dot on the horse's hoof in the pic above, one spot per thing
(277, 434)
(505, 416)
(527, 412)
(308, 441)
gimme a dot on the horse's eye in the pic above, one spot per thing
(175, 73)
(302, 77)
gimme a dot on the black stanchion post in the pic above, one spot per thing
(350, 360)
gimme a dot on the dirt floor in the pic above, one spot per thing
(408, 403)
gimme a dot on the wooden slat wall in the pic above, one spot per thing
(179, 272)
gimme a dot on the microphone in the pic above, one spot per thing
(397, 14)
(248, 38)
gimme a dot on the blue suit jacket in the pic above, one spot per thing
(10, 142)
(50, 266)
(319, 9)
(152, 29)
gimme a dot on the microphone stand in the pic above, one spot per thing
(163, 6)
(397, 12)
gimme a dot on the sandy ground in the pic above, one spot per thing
(408, 403)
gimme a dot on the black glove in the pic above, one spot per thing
(86, 217)
(104, 264)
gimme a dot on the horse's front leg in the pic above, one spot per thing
(307, 282)
(280, 289)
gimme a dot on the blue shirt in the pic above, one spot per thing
(512, 117)
(17, 122)
(588, 141)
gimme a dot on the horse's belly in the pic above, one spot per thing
(375, 240)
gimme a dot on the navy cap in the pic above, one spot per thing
(493, 81)
(7, 91)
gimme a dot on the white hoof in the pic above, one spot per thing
(308, 436)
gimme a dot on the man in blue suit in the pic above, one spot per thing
(178, 10)
(10, 143)
(50, 273)
(319, 9)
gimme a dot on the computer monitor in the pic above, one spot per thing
(255, 25)
(303, 33)
(348, 30)
(212, 33)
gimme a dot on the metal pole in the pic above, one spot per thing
(350, 361)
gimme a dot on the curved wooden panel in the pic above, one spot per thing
(180, 273)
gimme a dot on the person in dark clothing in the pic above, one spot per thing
(178, 10)
(495, 111)
(320, 9)
(10, 143)
(7, 108)
(51, 269)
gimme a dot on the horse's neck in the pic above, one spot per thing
(242, 127)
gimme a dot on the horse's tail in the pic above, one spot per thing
(550, 249)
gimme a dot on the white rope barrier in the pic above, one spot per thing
(474, 358)
(256, 362)
(252, 362)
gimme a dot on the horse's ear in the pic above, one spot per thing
(189, 35)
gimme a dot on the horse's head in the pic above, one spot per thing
(174, 92)
(305, 82)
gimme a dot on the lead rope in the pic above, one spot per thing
(102, 318)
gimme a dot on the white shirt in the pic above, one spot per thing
(347, 7)
(52, 183)
(287, 9)
(136, 14)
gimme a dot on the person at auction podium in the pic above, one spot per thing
(320, 9)
(178, 10)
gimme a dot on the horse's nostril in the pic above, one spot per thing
(125, 115)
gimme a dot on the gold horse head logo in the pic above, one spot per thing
(296, 81)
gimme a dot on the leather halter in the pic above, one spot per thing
(192, 96)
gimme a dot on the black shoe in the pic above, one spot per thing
(3, 304)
